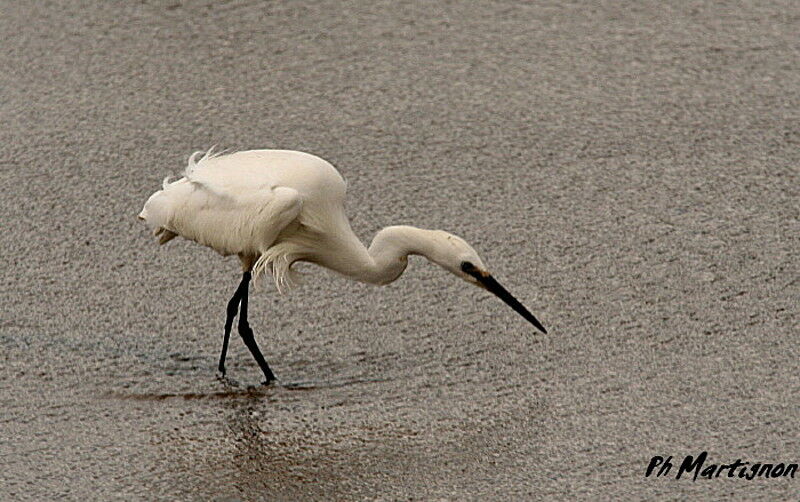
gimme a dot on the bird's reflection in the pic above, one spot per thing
(235, 391)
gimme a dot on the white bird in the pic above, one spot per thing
(273, 208)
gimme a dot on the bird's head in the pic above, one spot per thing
(459, 258)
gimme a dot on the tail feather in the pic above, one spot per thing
(165, 235)
(206, 156)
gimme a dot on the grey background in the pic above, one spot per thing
(629, 170)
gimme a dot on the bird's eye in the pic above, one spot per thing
(467, 266)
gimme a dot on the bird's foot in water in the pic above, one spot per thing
(227, 381)
(273, 382)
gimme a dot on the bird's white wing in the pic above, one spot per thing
(274, 204)
(232, 180)
(231, 221)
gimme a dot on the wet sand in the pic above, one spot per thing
(629, 173)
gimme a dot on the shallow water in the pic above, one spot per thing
(628, 174)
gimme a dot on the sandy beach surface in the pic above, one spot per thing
(629, 170)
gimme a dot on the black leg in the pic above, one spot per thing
(233, 306)
(247, 333)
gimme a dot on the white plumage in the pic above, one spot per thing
(276, 206)
(273, 208)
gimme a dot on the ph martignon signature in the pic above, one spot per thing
(696, 467)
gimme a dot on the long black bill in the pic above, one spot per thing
(492, 285)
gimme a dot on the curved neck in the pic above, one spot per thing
(387, 256)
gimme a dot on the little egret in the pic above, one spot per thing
(273, 208)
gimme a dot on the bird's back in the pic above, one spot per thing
(241, 172)
(238, 203)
